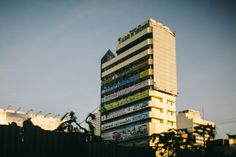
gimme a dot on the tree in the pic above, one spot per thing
(71, 125)
(187, 140)
(207, 132)
(173, 142)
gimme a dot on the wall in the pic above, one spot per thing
(164, 57)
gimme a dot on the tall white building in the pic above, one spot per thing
(138, 85)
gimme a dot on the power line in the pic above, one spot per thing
(226, 119)
(95, 109)
(90, 112)
(227, 122)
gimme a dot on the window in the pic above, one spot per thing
(160, 109)
(171, 123)
(170, 102)
(160, 120)
(169, 112)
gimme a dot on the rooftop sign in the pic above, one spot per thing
(133, 32)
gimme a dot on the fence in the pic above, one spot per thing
(35, 142)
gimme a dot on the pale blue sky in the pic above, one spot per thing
(50, 52)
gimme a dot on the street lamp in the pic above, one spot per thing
(56, 115)
(29, 111)
(18, 109)
(47, 114)
(38, 113)
(8, 107)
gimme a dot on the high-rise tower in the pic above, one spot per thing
(138, 85)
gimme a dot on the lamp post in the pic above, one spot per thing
(29, 111)
(47, 114)
(8, 107)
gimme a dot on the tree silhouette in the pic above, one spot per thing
(166, 142)
(173, 142)
(207, 132)
(71, 125)
(187, 140)
(91, 127)
(182, 142)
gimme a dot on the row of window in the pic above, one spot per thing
(134, 97)
(169, 112)
(128, 57)
(126, 110)
(133, 67)
(132, 125)
(125, 91)
(126, 81)
(135, 42)
(169, 122)
(144, 56)
(126, 120)
(161, 100)
(127, 95)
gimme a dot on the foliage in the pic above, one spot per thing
(71, 125)
(207, 132)
(174, 142)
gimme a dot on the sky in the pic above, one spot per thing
(50, 53)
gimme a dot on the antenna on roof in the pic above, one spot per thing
(203, 115)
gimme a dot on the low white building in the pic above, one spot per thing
(45, 122)
(188, 119)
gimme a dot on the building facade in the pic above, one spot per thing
(189, 119)
(45, 122)
(138, 85)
